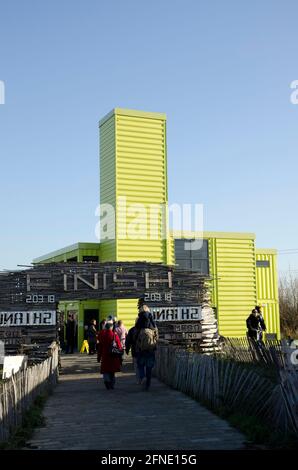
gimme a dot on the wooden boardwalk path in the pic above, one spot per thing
(82, 414)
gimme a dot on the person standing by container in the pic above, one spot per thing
(253, 324)
(258, 308)
(92, 337)
(70, 333)
(110, 362)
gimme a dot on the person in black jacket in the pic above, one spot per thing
(70, 333)
(254, 327)
(92, 337)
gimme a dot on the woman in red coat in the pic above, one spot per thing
(109, 364)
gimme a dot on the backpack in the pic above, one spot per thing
(147, 339)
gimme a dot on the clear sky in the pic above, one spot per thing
(220, 70)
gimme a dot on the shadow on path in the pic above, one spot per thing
(82, 414)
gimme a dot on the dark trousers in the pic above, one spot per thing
(109, 380)
(69, 346)
(145, 362)
(92, 346)
(145, 371)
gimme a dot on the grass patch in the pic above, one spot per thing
(259, 433)
(256, 432)
(32, 419)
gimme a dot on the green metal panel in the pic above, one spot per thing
(108, 180)
(127, 311)
(133, 166)
(79, 307)
(78, 249)
(213, 272)
(106, 308)
(267, 290)
(141, 178)
(235, 284)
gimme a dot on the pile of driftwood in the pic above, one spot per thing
(210, 336)
(32, 341)
(198, 335)
(92, 280)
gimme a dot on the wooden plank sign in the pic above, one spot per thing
(177, 313)
(28, 318)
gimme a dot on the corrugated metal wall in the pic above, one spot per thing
(127, 311)
(133, 166)
(267, 289)
(141, 179)
(106, 308)
(108, 180)
(79, 253)
(88, 252)
(124, 309)
(235, 283)
(233, 286)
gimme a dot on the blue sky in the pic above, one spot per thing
(221, 71)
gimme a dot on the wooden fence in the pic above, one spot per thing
(18, 392)
(228, 384)
(269, 354)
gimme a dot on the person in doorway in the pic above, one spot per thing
(121, 331)
(130, 345)
(70, 333)
(254, 328)
(92, 337)
(110, 364)
(145, 344)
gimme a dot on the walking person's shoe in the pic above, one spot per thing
(108, 385)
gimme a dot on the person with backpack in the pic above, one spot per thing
(109, 354)
(145, 344)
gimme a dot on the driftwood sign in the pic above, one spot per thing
(29, 298)
(45, 285)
